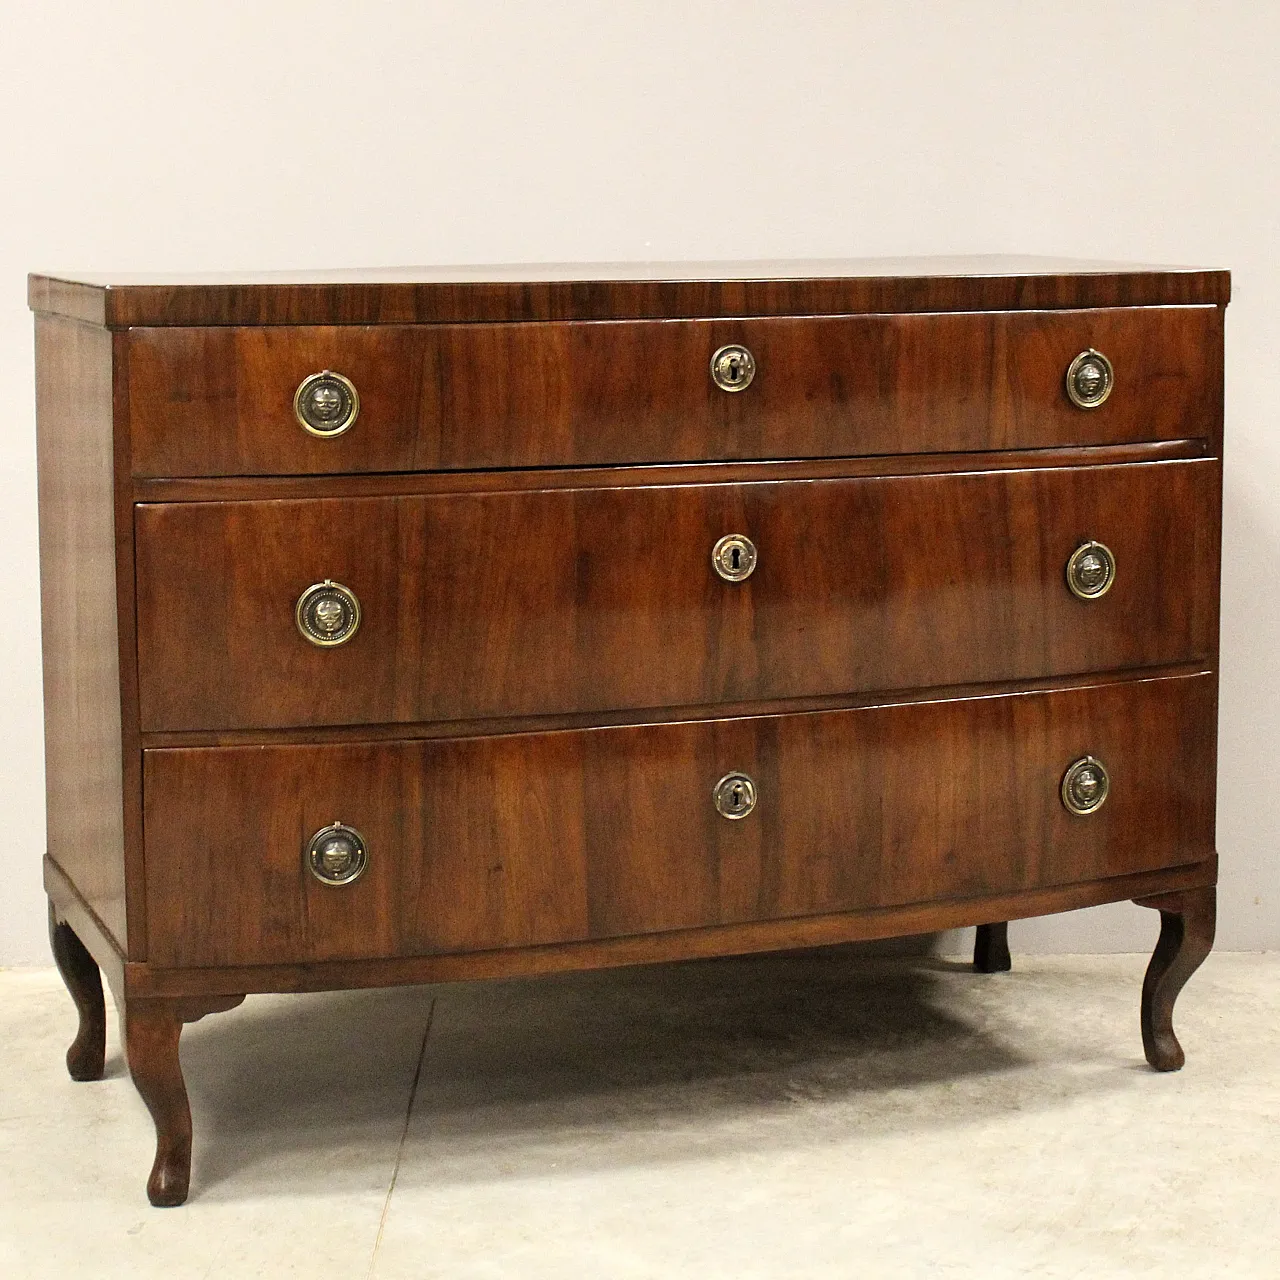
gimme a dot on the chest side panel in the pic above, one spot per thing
(85, 768)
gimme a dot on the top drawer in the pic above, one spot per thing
(221, 401)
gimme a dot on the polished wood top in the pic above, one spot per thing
(620, 290)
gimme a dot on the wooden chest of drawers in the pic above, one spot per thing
(538, 619)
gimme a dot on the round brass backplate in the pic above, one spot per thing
(327, 614)
(734, 557)
(1085, 786)
(1090, 378)
(734, 796)
(1091, 570)
(337, 854)
(326, 403)
(733, 367)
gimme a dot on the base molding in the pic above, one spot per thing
(143, 980)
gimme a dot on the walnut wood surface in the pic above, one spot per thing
(675, 944)
(1187, 922)
(219, 401)
(151, 1031)
(544, 838)
(87, 1054)
(85, 765)
(599, 291)
(516, 604)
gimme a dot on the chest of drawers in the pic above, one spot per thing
(424, 626)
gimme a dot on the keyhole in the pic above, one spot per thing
(735, 801)
(737, 558)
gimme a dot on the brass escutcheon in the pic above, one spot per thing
(327, 614)
(1085, 786)
(337, 854)
(734, 796)
(733, 367)
(734, 557)
(1091, 570)
(1090, 378)
(326, 403)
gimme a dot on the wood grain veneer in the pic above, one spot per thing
(219, 401)
(484, 843)
(85, 764)
(624, 291)
(547, 602)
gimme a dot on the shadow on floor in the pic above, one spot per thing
(587, 1070)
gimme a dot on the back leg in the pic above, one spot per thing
(991, 949)
(87, 1055)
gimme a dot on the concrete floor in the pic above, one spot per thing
(818, 1115)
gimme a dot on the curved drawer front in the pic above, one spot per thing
(221, 401)
(482, 843)
(588, 600)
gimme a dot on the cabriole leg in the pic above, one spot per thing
(991, 949)
(152, 1030)
(87, 1055)
(1186, 937)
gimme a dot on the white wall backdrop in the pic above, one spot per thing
(281, 134)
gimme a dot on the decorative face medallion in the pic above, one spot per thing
(1091, 570)
(327, 614)
(330, 614)
(326, 403)
(1085, 786)
(1090, 378)
(337, 854)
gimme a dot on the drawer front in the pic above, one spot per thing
(580, 601)
(482, 843)
(220, 401)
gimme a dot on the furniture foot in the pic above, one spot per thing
(1186, 937)
(152, 1029)
(991, 949)
(87, 1055)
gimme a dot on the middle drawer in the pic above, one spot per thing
(587, 600)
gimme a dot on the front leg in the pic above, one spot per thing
(87, 1055)
(152, 1028)
(1186, 938)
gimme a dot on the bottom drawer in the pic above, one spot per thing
(491, 842)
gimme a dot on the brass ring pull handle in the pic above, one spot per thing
(326, 404)
(733, 367)
(734, 557)
(1090, 378)
(734, 796)
(1091, 570)
(337, 855)
(1085, 786)
(327, 614)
